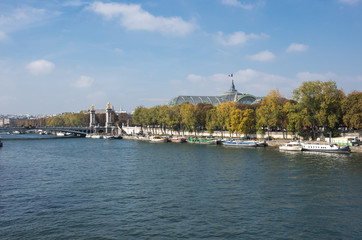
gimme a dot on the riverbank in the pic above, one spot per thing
(277, 143)
(271, 143)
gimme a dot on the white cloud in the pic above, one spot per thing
(154, 99)
(247, 81)
(347, 83)
(260, 83)
(236, 3)
(24, 17)
(7, 98)
(74, 3)
(3, 37)
(39, 67)
(297, 47)
(194, 78)
(350, 2)
(264, 56)
(97, 96)
(237, 38)
(84, 82)
(133, 17)
(118, 51)
(307, 76)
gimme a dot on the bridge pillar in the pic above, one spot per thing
(92, 117)
(109, 118)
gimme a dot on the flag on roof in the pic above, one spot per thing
(230, 75)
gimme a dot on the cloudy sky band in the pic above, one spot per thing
(99, 49)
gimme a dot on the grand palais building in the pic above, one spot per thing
(231, 95)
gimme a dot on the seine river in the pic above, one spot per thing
(123, 189)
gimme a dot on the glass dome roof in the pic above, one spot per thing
(231, 95)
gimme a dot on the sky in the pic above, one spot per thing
(64, 56)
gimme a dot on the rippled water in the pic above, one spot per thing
(122, 189)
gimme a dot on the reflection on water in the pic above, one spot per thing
(90, 188)
(27, 136)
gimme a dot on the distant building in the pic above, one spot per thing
(6, 122)
(231, 95)
(121, 110)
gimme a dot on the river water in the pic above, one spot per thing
(123, 189)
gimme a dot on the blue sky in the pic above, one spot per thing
(63, 56)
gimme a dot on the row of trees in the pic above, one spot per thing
(315, 105)
(80, 119)
(66, 119)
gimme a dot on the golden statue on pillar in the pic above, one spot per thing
(92, 107)
(108, 105)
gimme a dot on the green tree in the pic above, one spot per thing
(243, 121)
(320, 103)
(163, 116)
(352, 110)
(80, 120)
(152, 117)
(248, 120)
(140, 116)
(294, 117)
(174, 117)
(56, 121)
(188, 115)
(235, 121)
(211, 121)
(224, 111)
(330, 113)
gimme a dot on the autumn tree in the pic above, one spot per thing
(270, 114)
(174, 117)
(224, 111)
(352, 110)
(320, 103)
(188, 116)
(211, 122)
(235, 121)
(294, 117)
(80, 119)
(243, 121)
(248, 120)
(152, 117)
(201, 114)
(140, 116)
(162, 116)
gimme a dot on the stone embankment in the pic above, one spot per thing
(356, 149)
(271, 143)
(140, 138)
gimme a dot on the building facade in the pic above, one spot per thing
(231, 95)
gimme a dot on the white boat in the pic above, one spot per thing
(88, 135)
(117, 137)
(96, 136)
(261, 144)
(292, 146)
(60, 134)
(108, 137)
(239, 143)
(178, 140)
(158, 139)
(326, 148)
